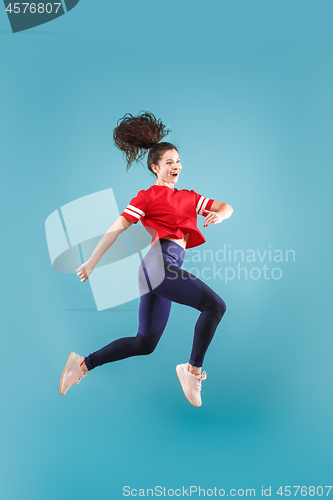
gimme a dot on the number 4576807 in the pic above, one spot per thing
(304, 490)
(40, 8)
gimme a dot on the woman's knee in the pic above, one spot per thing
(147, 348)
(211, 301)
(219, 306)
(145, 345)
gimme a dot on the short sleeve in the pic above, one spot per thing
(137, 207)
(202, 204)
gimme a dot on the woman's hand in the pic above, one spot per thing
(85, 270)
(213, 218)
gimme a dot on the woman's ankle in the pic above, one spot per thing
(194, 369)
(84, 367)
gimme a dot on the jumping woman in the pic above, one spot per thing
(170, 215)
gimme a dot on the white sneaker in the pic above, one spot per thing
(72, 373)
(191, 384)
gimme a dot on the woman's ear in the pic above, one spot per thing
(155, 168)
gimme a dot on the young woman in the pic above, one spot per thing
(170, 215)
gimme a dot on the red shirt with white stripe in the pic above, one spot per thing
(170, 212)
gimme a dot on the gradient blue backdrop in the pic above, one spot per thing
(246, 88)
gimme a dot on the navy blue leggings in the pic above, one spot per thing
(161, 282)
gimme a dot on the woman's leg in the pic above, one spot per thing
(153, 316)
(184, 288)
(177, 286)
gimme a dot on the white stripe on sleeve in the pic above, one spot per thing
(203, 205)
(199, 204)
(132, 213)
(136, 210)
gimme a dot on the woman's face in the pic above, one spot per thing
(169, 166)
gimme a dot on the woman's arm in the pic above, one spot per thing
(121, 224)
(218, 212)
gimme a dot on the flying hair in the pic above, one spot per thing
(135, 135)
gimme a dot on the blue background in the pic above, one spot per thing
(246, 88)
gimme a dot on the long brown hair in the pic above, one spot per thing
(136, 135)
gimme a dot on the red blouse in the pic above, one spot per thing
(169, 212)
